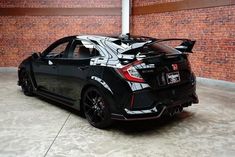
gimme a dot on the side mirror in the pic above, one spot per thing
(36, 55)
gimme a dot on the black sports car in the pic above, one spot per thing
(108, 78)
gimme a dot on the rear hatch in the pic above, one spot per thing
(165, 70)
(161, 65)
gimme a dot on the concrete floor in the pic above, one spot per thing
(32, 127)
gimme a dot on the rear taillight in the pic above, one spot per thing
(129, 72)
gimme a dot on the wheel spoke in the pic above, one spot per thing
(93, 117)
(25, 84)
(99, 99)
(88, 100)
(101, 115)
(89, 96)
(89, 113)
(92, 114)
(88, 107)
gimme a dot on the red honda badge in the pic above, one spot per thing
(174, 66)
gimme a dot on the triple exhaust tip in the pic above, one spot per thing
(176, 110)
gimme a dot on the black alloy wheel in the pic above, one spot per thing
(26, 83)
(96, 108)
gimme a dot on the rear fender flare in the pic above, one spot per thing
(102, 82)
(106, 91)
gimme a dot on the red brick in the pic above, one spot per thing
(213, 28)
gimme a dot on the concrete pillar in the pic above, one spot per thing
(125, 16)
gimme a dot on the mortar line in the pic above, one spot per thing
(57, 134)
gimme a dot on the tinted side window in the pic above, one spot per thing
(58, 51)
(84, 49)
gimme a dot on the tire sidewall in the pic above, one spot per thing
(28, 91)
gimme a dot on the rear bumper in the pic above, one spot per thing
(152, 105)
(155, 112)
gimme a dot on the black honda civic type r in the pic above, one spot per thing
(113, 78)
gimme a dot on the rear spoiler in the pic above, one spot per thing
(186, 45)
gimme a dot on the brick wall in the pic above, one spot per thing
(213, 28)
(20, 35)
(59, 3)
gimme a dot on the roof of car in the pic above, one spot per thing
(118, 44)
(96, 37)
(126, 38)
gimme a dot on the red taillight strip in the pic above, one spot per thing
(125, 73)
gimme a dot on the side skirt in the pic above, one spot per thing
(65, 101)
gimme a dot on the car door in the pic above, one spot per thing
(45, 68)
(74, 72)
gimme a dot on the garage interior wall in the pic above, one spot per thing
(20, 35)
(212, 27)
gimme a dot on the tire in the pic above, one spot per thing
(96, 108)
(26, 84)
